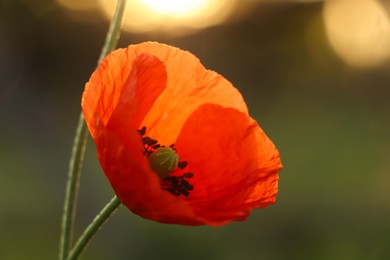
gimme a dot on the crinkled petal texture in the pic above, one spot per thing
(168, 90)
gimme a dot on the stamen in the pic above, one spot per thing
(173, 147)
(182, 164)
(176, 185)
(156, 146)
(142, 131)
(188, 175)
(149, 141)
(149, 144)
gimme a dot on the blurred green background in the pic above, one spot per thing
(329, 120)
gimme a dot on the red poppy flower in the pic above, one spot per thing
(152, 106)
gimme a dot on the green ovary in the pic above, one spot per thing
(163, 161)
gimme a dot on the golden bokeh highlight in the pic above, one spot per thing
(178, 8)
(358, 30)
(172, 16)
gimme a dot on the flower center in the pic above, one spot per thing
(164, 160)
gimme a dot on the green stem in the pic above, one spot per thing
(95, 225)
(79, 145)
(114, 31)
(72, 186)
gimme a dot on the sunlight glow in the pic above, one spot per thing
(177, 7)
(171, 16)
(358, 30)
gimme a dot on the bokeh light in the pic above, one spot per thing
(175, 17)
(178, 8)
(358, 30)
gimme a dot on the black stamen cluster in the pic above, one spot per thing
(149, 144)
(177, 185)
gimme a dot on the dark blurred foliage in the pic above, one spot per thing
(329, 121)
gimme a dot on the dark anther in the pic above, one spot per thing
(187, 185)
(156, 146)
(175, 182)
(178, 184)
(149, 141)
(142, 131)
(188, 175)
(182, 164)
(149, 144)
(185, 192)
(173, 147)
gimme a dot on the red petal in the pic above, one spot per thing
(189, 85)
(234, 163)
(142, 75)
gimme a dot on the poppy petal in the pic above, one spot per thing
(189, 85)
(143, 75)
(235, 164)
